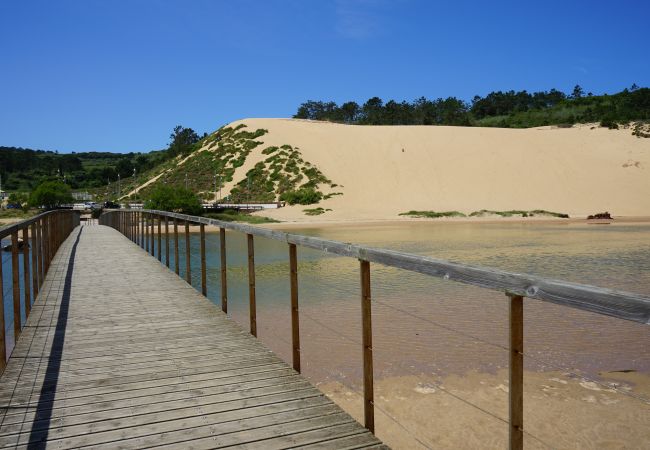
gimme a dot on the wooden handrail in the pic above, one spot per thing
(619, 304)
(42, 236)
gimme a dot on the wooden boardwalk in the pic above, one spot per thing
(119, 352)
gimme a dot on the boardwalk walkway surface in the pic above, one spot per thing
(119, 352)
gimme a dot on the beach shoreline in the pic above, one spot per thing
(361, 223)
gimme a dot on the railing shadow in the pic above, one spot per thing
(43, 417)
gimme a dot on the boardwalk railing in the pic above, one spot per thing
(144, 227)
(41, 237)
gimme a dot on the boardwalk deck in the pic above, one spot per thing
(119, 352)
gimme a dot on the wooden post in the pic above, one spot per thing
(204, 280)
(16, 283)
(3, 338)
(45, 243)
(39, 231)
(251, 285)
(141, 222)
(50, 243)
(34, 260)
(176, 263)
(224, 277)
(188, 268)
(295, 322)
(152, 250)
(159, 240)
(167, 241)
(26, 272)
(366, 327)
(516, 369)
(146, 232)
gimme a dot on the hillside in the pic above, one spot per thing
(22, 169)
(378, 172)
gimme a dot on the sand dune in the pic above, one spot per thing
(386, 170)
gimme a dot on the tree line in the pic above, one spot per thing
(507, 109)
(22, 169)
(25, 168)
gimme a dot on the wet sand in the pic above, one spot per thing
(470, 411)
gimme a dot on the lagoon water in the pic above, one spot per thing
(427, 325)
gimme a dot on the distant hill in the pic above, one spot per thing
(22, 169)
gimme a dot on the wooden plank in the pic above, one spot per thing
(126, 398)
(228, 422)
(175, 403)
(185, 429)
(516, 374)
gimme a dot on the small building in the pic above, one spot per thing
(82, 196)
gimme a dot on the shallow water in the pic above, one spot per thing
(427, 325)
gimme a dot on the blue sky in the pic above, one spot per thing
(118, 75)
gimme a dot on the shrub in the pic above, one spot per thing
(304, 196)
(50, 194)
(432, 214)
(174, 199)
(609, 123)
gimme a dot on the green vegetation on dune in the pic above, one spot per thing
(432, 214)
(315, 211)
(484, 213)
(282, 175)
(521, 213)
